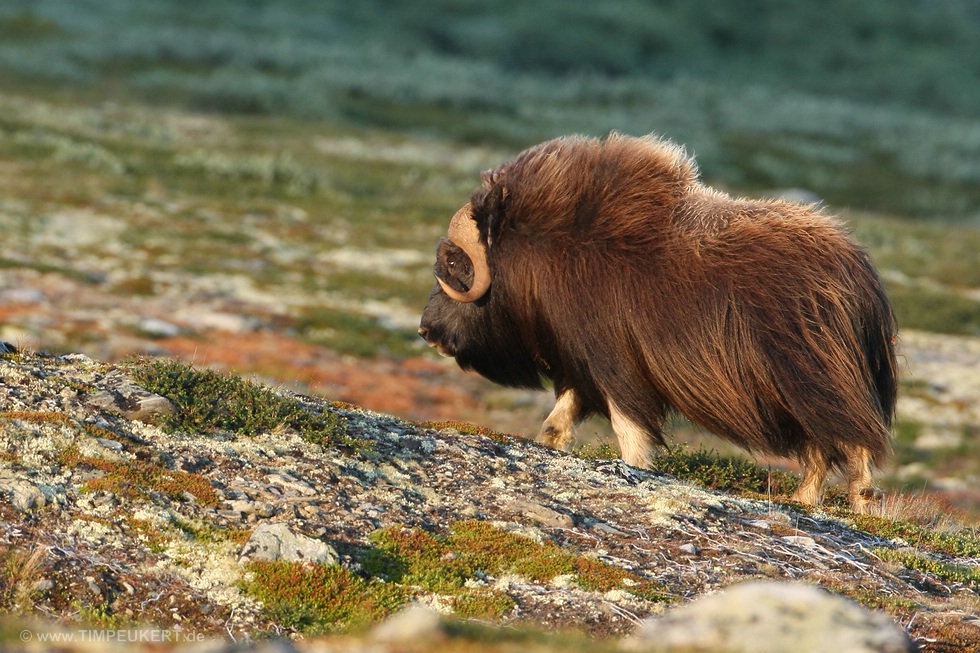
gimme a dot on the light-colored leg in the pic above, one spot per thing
(635, 444)
(864, 496)
(558, 430)
(814, 473)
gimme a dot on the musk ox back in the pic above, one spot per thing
(607, 267)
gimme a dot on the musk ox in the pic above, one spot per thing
(607, 267)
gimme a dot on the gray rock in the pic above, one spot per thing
(277, 542)
(541, 514)
(112, 445)
(25, 496)
(411, 625)
(772, 617)
(122, 396)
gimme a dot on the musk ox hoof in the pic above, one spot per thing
(867, 500)
(555, 438)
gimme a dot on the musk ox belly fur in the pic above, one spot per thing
(609, 268)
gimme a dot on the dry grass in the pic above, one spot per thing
(19, 571)
(923, 509)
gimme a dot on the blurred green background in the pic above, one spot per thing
(871, 105)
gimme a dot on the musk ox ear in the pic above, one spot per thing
(453, 267)
(491, 210)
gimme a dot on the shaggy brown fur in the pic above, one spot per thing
(638, 290)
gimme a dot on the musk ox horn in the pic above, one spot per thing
(464, 234)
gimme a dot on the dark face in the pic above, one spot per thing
(443, 319)
(444, 323)
(480, 335)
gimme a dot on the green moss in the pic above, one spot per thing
(493, 551)
(465, 428)
(947, 572)
(100, 615)
(210, 402)
(475, 549)
(596, 451)
(38, 417)
(319, 599)
(962, 544)
(151, 533)
(27, 27)
(724, 473)
(876, 600)
(483, 604)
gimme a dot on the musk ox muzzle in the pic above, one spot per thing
(607, 267)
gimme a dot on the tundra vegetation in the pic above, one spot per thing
(271, 181)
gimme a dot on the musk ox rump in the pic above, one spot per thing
(609, 268)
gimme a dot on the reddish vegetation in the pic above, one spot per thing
(414, 388)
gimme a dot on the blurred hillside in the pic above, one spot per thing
(870, 105)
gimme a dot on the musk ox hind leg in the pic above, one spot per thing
(814, 472)
(558, 429)
(861, 492)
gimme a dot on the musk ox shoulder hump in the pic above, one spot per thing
(576, 175)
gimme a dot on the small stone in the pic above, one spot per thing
(157, 328)
(606, 528)
(413, 624)
(112, 445)
(277, 542)
(689, 549)
(43, 585)
(25, 496)
(246, 507)
(122, 396)
(106, 501)
(289, 482)
(542, 514)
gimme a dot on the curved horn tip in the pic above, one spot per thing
(464, 233)
(467, 297)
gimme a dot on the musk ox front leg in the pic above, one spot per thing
(636, 444)
(558, 430)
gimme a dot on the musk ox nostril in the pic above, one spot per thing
(423, 332)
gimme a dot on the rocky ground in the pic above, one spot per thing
(110, 518)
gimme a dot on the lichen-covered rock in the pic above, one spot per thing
(24, 495)
(119, 394)
(771, 617)
(277, 542)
